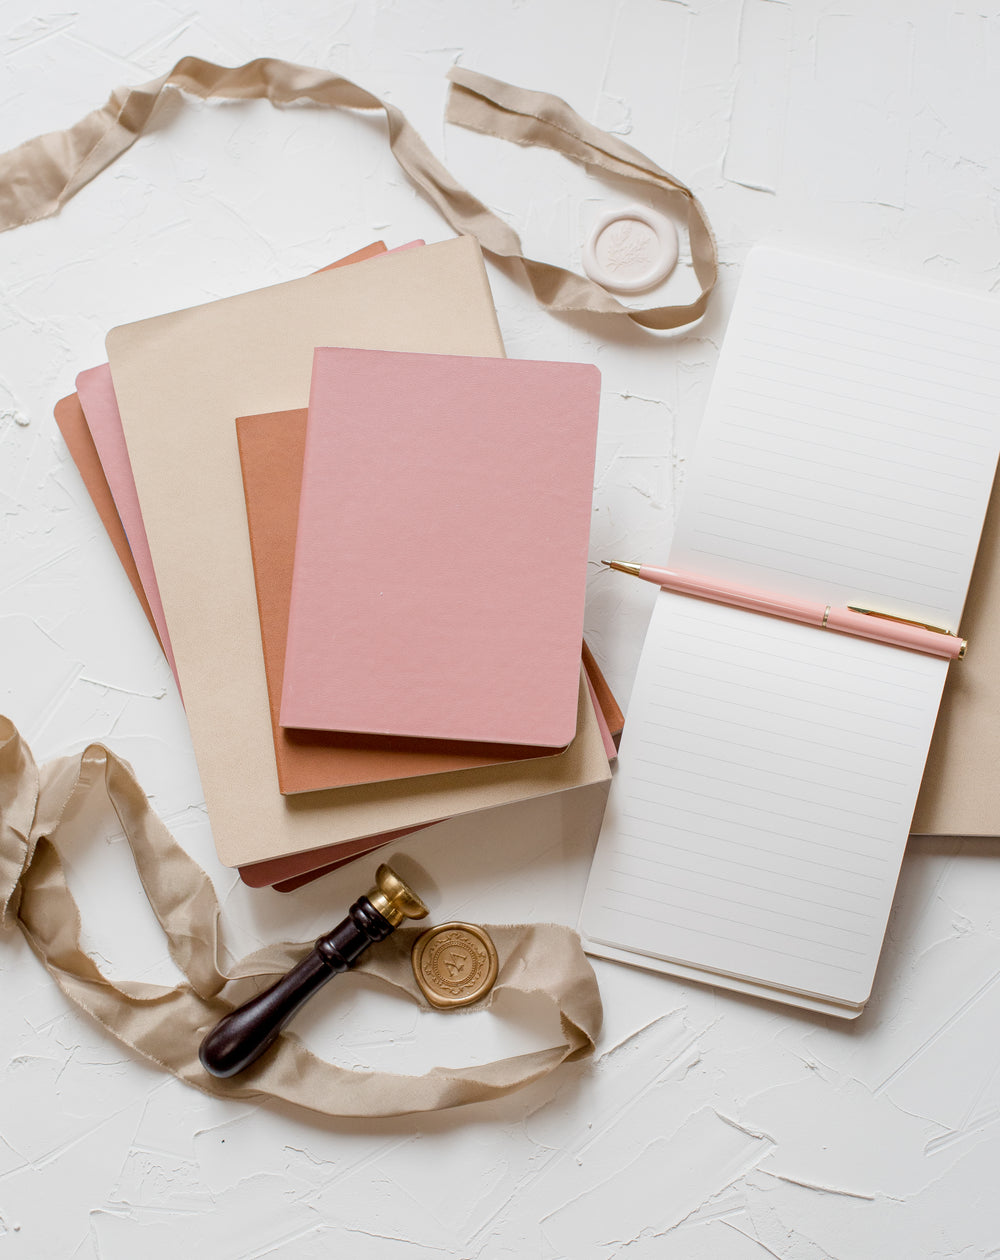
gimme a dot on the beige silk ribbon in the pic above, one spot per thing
(167, 1025)
(41, 175)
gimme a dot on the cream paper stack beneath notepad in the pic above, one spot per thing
(769, 770)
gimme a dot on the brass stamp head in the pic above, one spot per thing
(394, 900)
(455, 964)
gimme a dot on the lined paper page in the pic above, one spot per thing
(766, 774)
(850, 440)
(769, 771)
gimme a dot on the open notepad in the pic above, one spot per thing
(769, 770)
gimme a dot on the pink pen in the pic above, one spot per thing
(863, 623)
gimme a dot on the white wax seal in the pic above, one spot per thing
(630, 250)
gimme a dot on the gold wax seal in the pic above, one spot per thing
(455, 964)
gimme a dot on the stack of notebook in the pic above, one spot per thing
(360, 533)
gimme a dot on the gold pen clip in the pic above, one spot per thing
(906, 621)
(924, 625)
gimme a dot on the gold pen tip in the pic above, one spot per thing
(623, 567)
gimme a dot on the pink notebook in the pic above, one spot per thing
(100, 406)
(441, 553)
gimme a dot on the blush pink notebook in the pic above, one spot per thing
(441, 552)
(100, 406)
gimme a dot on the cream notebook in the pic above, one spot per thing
(768, 770)
(181, 380)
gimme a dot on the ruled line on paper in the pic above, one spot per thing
(717, 740)
(755, 375)
(859, 567)
(808, 484)
(756, 849)
(715, 895)
(763, 667)
(892, 460)
(801, 469)
(772, 813)
(706, 819)
(870, 354)
(813, 519)
(819, 538)
(774, 794)
(663, 902)
(814, 498)
(780, 732)
(767, 821)
(906, 429)
(774, 441)
(775, 740)
(776, 682)
(935, 331)
(899, 318)
(733, 762)
(745, 689)
(703, 931)
(685, 761)
(771, 834)
(733, 863)
(787, 398)
(731, 703)
(770, 352)
(862, 571)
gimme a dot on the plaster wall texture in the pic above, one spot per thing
(708, 1127)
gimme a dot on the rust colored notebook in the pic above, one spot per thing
(271, 453)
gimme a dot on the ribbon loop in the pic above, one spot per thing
(41, 175)
(166, 1025)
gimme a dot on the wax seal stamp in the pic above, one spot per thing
(631, 250)
(242, 1036)
(455, 964)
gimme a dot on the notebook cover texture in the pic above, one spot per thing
(271, 453)
(441, 552)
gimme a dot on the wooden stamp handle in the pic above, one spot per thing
(244, 1034)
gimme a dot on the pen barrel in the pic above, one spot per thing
(862, 625)
(896, 633)
(242, 1036)
(733, 596)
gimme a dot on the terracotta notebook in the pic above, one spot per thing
(181, 379)
(441, 552)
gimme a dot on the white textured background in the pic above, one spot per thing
(709, 1127)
